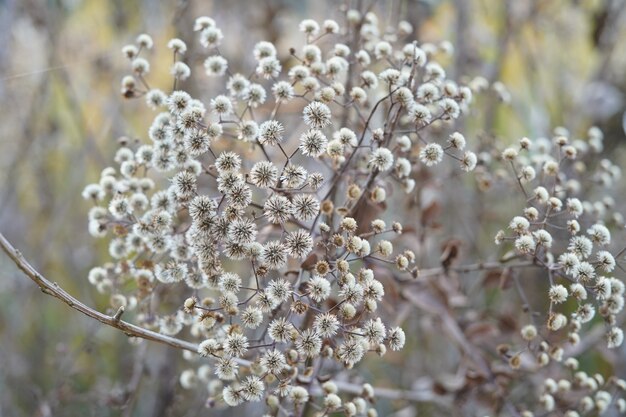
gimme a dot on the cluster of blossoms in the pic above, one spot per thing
(239, 225)
(566, 234)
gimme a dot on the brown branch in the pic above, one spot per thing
(464, 269)
(450, 326)
(53, 289)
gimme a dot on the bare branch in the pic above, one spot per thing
(463, 269)
(53, 289)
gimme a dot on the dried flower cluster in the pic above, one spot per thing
(254, 223)
(569, 239)
(253, 245)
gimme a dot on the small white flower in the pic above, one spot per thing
(310, 27)
(525, 244)
(528, 332)
(557, 294)
(599, 234)
(269, 67)
(203, 22)
(215, 65)
(580, 246)
(543, 238)
(396, 338)
(519, 224)
(615, 337)
(313, 143)
(180, 70)
(211, 37)
(177, 45)
(317, 115)
(271, 132)
(584, 272)
(469, 161)
(431, 154)
(381, 159)
(457, 140)
(264, 49)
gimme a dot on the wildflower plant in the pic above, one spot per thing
(253, 221)
(238, 221)
(564, 230)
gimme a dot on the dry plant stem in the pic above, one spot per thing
(53, 289)
(463, 269)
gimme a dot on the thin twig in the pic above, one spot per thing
(53, 289)
(463, 269)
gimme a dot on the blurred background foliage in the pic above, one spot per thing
(61, 113)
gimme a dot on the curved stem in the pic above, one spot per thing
(53, 289)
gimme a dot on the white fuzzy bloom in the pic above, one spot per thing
(402, 167)
(457, 141)
(231, 396)
(602, 288)
(319, 288)
(235, 345)
(605, 261)
(180, 70)
(381, 159)
(525, 244)
(141, 66)
(177, 45)
(557, 294)
(313, 143)
(519, 224)
(271, 132)
(580, 246)
(211, 37)
(273, 361)
(317, 115)
(252, 388)
(584, 272)
(528, 332)
(215, 66)
(450, 109)
(578, 291)
(269, 67)
(310, 27)
(527, 174)
(209, 347)
(468, 161)
(551, 168)
(382, 49)
(326, 325)
(330, 26)
(543, 238)
(431, 154)
(298, 395)
(222, 105)
(264, 49)
(574, 206)
(615, 337)
(427, 93)
(420, 115)
(145, 41)
(599, 234)
(396, 338)
(541, 194)
(203, 22)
